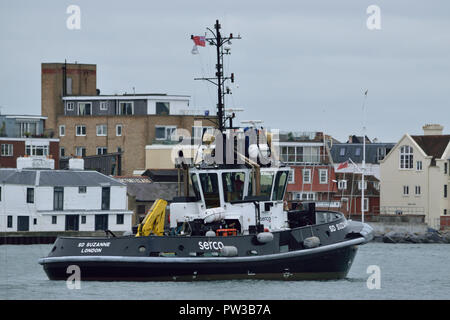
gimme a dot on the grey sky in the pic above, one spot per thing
(301, 65)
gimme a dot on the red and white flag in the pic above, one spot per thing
(199, 40)
(342, 165)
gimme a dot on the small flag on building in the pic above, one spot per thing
(343, 165)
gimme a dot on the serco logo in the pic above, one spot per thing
(210, 245)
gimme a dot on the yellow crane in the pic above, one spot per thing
(153, 222)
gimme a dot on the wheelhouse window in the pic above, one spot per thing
(406, 157)
(266, 182)
(233, 185)
(210, 187)
(195, 186)
(280, 185)
(162, 108)
(84, 108)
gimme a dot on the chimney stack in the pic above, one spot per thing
(432, 129)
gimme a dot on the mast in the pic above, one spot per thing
(219, 41)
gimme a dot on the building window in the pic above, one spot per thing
(0, 193)
(125, 108)
(342, 152)
(84, 108)
(360, 184)
(27, 129)
(418, 190)
(291, 176)
(80, 151)
(83, 219)
(306, 173)
(102, 150)
(366, 204)
(119, 219)
(445, 191)
(70, 106)
(445, 212)
(7, 150)
(141, 209)
(103, 105)
(164, 133)
(106, 191)
(82, 189)
(10, 221)
(376, 185)
(305, 196)
(35, 221)
(54, 219)
(381, 153)
(445, 168)
(58, 198)
(62, 130)
(102, 130)
(342, 184)
(406, 157)
(31, 150)
(405, 190)
(81, 130)
(300, 154)
(419, 165)
(358, 152)
(323, 176)
(62, 152)
(30, 195)
(118, 130)
(162, 108)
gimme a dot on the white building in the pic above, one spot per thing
(42, 199)
(415, 176)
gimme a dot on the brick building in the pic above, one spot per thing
(88, 123)
(22, 135)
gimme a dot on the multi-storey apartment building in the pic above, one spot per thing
(88, 123)
(312, 173)
(415, 176)
(23, 135)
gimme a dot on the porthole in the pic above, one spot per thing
(141, 249)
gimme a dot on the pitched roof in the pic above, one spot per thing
(63, 178)
(341, 152)
(433, 145)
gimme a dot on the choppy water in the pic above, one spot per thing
(408, 271)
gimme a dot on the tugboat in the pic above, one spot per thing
(231, 222)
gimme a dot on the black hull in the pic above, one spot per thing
(323, 263)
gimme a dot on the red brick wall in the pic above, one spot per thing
(18, 151)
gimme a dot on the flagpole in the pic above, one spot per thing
(364, 157)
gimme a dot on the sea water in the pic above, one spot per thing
(379, 271)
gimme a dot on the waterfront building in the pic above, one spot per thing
(312, 172)
(348, 159)
(415, 176)
(33, 197)
(89, 123)
(23, 135)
